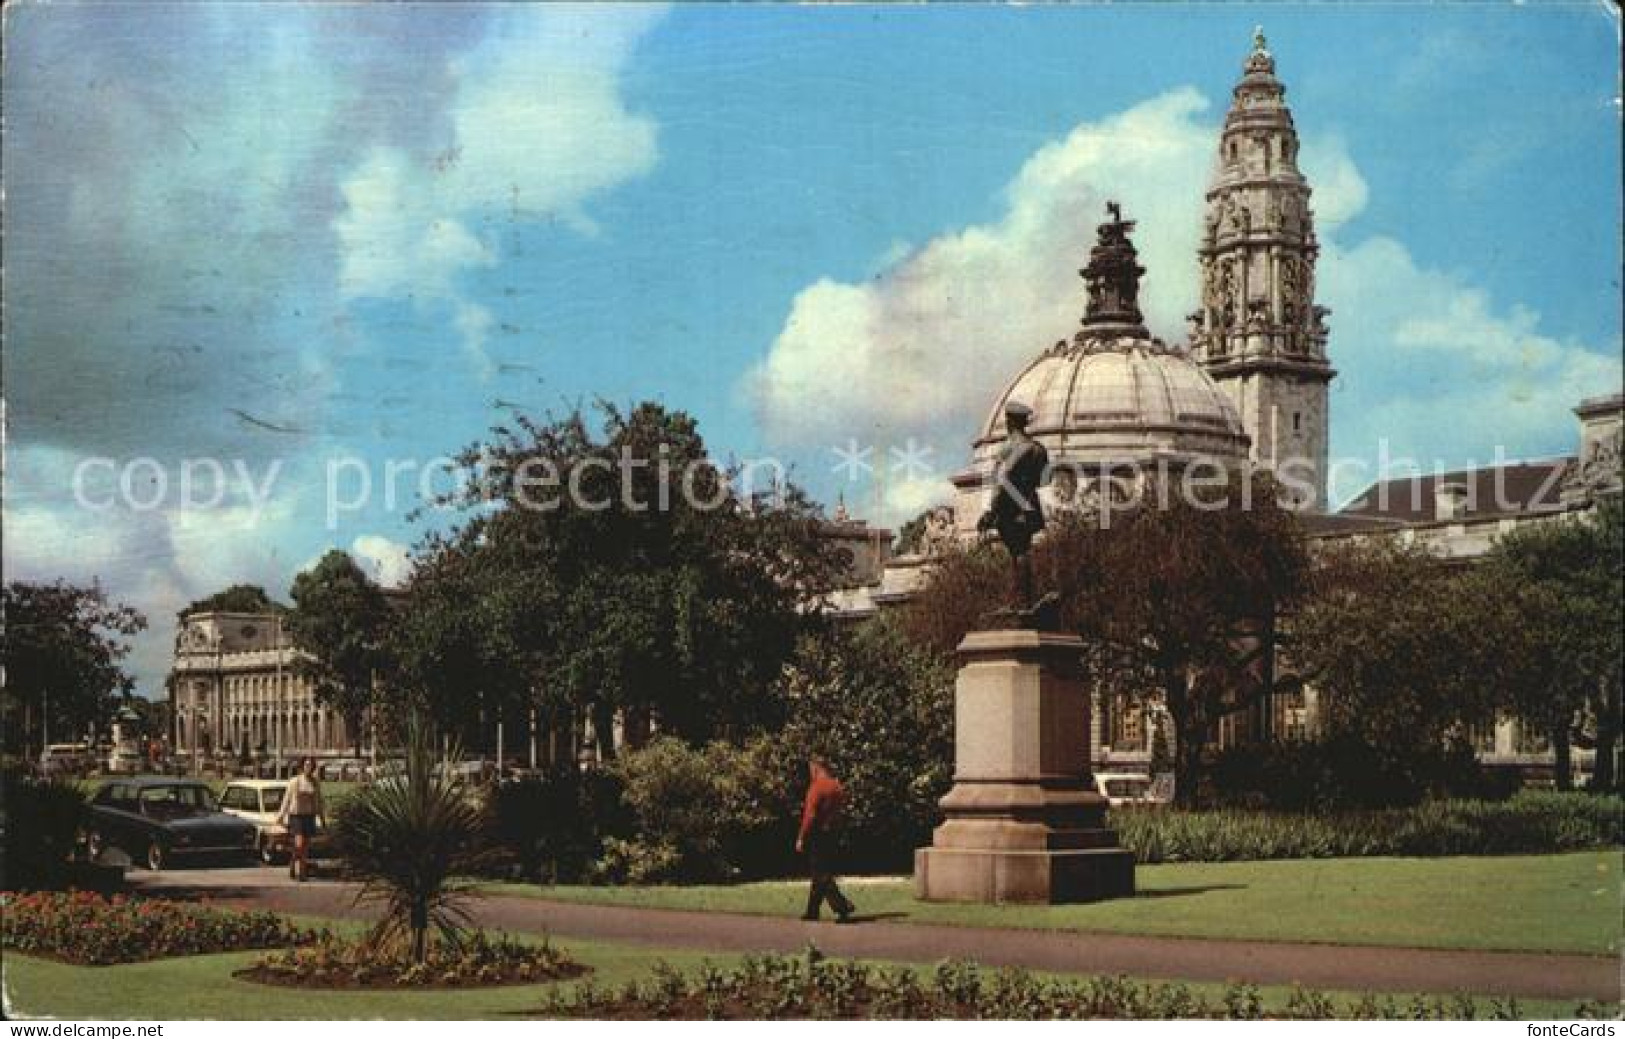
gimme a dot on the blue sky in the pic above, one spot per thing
(279, 235)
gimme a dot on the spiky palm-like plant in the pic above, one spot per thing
(412, 841)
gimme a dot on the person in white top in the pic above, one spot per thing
(300, 812)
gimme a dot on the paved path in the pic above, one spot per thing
(1355, 968)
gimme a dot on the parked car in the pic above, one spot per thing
(156, 820)
(66, 759)
(258, 801)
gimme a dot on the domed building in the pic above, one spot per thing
(1112, 403)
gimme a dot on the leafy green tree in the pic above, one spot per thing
(625, 572)
(62, 656)
(338, 622)
(1178, 598)
(239, 598)
(879, 708)
(1395, 642)
(1552, 600)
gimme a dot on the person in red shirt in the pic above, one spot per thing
(819, 815)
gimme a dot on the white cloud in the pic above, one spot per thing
(385, 561)
(1427, 360)
(157, 559)
(921, 349)
(538, 127)
(1433, 367)
(392, 240)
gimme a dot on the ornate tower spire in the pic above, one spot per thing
(1259, 331)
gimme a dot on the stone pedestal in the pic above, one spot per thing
(1024, 823)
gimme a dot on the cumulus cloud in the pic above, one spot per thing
(194, 225)
(1438, 372)
(923, 348)
(157, 558)
(536, 128)
(385, 561)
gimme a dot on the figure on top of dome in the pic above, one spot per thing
(1113, 277)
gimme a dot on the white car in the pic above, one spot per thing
(258, 801)
(1129, 788)
(66, 759)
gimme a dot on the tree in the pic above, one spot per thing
(62, 655)
(239, 598)
(1396, 642)
(1552, 596)
(639, 580)
(1177, 599)
(337, 622)
(879, 709)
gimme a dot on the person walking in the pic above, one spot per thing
(819, 816)
(300, 812)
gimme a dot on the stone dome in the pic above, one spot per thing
(1113, 400)
(1117, 398)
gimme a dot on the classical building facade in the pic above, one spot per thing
(234, 686)
(1252, 386)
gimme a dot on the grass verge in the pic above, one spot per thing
(1527, 903)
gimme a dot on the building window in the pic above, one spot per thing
(1532, 740)
(1128, 728)
(1297, 421)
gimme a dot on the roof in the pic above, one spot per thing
(151, 781)
(1505, 490)
(1325, 523)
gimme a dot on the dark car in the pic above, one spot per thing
(156, 820)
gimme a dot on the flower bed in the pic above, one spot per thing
(482, 961)
(90, 929)
(780, 988)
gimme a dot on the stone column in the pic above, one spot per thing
(1024, 823)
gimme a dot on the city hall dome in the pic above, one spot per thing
(1106, 395)
(1112, 398)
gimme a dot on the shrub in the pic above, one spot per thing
(40, 819)
(412, 841)
(1341, 772)
(480, 960)
(553, 828)
(1529, 823)
(773, 987)
(699, 813)
(880, 710)
(89, 929)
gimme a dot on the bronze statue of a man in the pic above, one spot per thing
(1016, 512)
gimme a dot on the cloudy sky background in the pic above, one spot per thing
(280, 236)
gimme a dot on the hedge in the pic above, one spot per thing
(1529, 823)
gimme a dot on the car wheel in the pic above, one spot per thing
(155, 856)
(95, 844)
(268, 853)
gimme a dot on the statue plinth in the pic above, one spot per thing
(1024, 822)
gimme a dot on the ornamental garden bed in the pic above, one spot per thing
(94, 930)
(811, 988)
(481, 961)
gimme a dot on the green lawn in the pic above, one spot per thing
(201, 987)
(1536, 903)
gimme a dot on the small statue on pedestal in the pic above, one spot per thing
(1016, 513)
